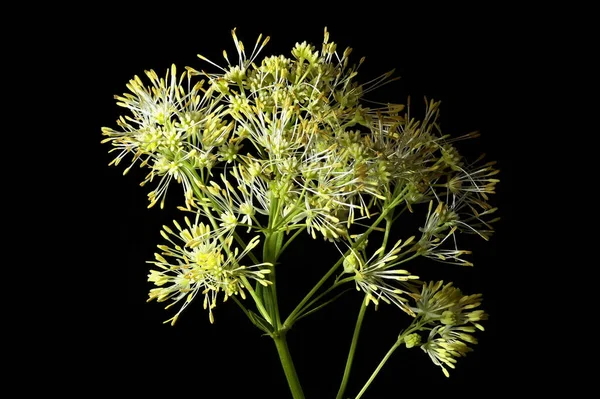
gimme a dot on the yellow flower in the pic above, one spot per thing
(448, 305)
(203, 261)
(446, 343)
(378, 278)
(455, 319)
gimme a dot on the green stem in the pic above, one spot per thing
(379, 367)
(270, 252)
(293, 316)
(317, 308)
(415, 326)
(388, 225)
(288, 365)
(259, 304)
(359, 320)
(241, 305)
(288, 242)
(302, 311)
(398, 214)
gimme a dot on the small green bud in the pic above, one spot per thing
(411, 340)
(350, 263)
(448, 318)
(304, 51)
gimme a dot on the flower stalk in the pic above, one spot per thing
(353, 344)
(288, 365)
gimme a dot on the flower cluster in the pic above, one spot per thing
(285, 144)
(173, 126)
(451, 319)
(379, 279)
(200, 260)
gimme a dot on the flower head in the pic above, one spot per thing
(170, 128)
(440, 227)
(448, 305)
(378, 278)
(447, 343)
(454, 318)
(201, 261)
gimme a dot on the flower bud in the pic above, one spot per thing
(411, 340)
(350, 263)
(448, 318)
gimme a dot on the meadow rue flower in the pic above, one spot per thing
(454, 318)
(320, 220)
(228, 220)
(163, 128)
(200, 261)
(446, 303)
(475, 179)
(447, 343)
(451, 157)
(329, 187)
(378, 278)
(243, 61)
(274, 116)
(438, 222)
(440, 225)
(303, 51)
(253, 185)
(236, 205)
(159, 113)
(169, 169)
(228, 152)
(474, 216)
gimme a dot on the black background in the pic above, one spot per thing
(467, 62)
